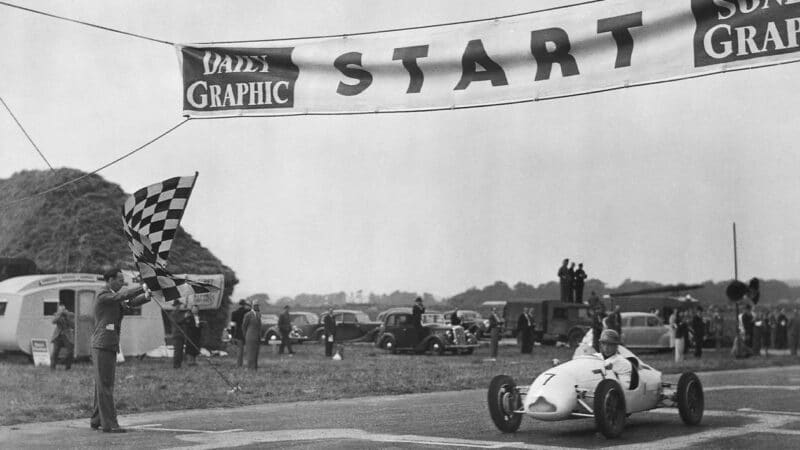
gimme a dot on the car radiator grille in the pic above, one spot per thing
(459, 337)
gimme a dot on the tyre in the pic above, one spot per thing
(690, 399)
(436, 347)
(503, 400)
(609, 408)
(575, 337)
(271, 336)
(388, 343)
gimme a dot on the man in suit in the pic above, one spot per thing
(109, 306)
(238, 338)
(193, 334)
(699, 330)
(454, 319)
(285, 328)
(251, 329)
(416, 313)
(329, 324)
(563, 279)
(180, 323)
(63, 336)
(495, 322)
(580, 278)
(524, 332)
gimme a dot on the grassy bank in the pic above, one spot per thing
(32, 394)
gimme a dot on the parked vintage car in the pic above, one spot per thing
(472, 321)
(270, 332)
(350, 325)
(437, 336)
(640, 330)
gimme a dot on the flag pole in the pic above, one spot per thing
(735, 276)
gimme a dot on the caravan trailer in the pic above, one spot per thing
(28, 303)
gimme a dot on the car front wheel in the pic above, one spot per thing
(609, 408)
(388, 343)
(436, 347)
(504, 400)
(690, 399)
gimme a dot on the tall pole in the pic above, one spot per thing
(735, 256)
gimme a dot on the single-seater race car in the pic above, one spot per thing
(586, 387)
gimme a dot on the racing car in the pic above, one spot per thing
(586, 387)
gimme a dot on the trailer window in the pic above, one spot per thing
(50, 307)
(3, 308)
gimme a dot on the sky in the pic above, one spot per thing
(640, 183)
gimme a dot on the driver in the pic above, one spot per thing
(609, 345)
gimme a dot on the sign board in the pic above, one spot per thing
(551, 53)
(40, 352)
(205, 301)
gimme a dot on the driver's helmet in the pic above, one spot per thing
(610, 337)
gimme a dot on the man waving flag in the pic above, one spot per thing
(150, 220)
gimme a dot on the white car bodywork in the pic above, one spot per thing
(560, 392)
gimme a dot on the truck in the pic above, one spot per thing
(556, 321)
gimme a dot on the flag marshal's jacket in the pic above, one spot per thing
(108, 311)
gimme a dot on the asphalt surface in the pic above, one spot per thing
(745, 409)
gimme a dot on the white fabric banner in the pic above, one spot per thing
(560, 52)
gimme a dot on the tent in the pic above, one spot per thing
(28, 303)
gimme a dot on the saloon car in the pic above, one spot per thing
(640, 330)
(397, 333)
(472, 321)
(270, 332)
(586, 387)
(350, 325)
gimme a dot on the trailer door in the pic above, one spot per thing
(84, 323)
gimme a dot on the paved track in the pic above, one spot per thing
(744, 409)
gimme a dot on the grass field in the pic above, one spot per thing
(34, 394)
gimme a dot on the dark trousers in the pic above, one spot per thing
(328, 346)
(578, 293)
(564, 291)
(526, 341)
(240, 352)
(177, 355)
(105, 367)
(285, 343)
(59, 343)
(698, 345)
(794, 339)
(495, 333)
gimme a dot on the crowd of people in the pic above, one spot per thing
(571, 281)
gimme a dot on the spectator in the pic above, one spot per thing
(681, 333)
(193, 326)
(613, 320)
(563, 279)
(746, 322)
(494, 331)
(793, 331)
(63, 336)
(772, 321)
(454, 319)
(571, 283)
(251, 329)
(285, 328)
(329, 324)
(780, 329)
(593, 301)
(180, 324)
(758, 327)
(580, 277)
(416, 313)
(525, 332)
(598, 314)
(673, 327)
(238, 337)
(717, 328)
(699, 331)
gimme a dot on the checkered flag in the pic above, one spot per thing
(150, 220)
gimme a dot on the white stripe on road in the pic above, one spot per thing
(762, 387)
(157, 427)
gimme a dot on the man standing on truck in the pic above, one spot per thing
(580, 277)
(563, 279)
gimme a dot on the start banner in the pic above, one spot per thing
(585, 48)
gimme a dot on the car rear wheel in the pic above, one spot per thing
(691, 403)
(609, 408)
(503, 400)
